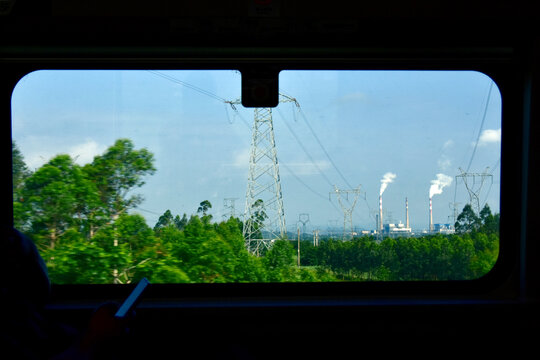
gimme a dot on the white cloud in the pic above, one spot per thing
(84, 153)
(35, 160)
(444, 163)
(448, 144)
(490, 136)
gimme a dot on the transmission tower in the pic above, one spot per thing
(332, 224)
(303, 219)
(473, 183)
(229, 208)
(264, 217)
(454, 206)
(347, 207)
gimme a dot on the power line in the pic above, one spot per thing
(481, 127)
(231, 103)
(148, 211)
(323, 148)
(219, 98)
(304, 148)
(325, 152)
(188, 85)
(328, 156)
(288, 168)
(301, 181)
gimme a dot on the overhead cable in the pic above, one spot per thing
(481, 127)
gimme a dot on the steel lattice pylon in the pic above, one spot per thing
(473, 183)
(264, 216)
(347, 208)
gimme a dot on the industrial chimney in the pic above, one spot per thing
(430, 215)
(407, 213)
(380, 215)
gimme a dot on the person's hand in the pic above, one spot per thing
(104, 326)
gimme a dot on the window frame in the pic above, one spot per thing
(503, 65)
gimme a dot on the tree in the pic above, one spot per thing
(256, 222)
(20, 173)
(57, 197)
(19, 169)
(180, 223)
(204, 206)
(164, 220)
(490, 222)
(467, 221)
(79, 261)
(281, 254)
(120, 169)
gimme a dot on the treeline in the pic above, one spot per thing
(469, 254)
(81, 218)
(201, 252)
(432, 257)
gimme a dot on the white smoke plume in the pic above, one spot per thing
(387, 179)
(439, 184)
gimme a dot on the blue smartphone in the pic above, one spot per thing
(132, 299)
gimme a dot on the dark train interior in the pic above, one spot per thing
(496, 314)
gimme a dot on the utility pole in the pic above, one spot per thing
(316, 237)
(347, 207)
(298, 255)
(264, 216)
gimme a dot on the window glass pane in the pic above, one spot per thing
(374, 175)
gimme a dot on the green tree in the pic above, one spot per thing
(56, 197)
(255, 223)
(486, 252)
(76, 260)
(115, 173)
(20, 173)
(366, 256)
(467, 221)
(279, 261)
(490, 222)
(180, 223)
(281, 254)
(204, 206)
(164, 220)
(19, 169)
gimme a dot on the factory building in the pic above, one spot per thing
(399, 230)
(393, 230)
(443, 229)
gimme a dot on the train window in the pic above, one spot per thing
(355, 176)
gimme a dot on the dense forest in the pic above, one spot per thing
(82, 220)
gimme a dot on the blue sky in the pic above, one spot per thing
(412, 124)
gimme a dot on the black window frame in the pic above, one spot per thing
(505, 65)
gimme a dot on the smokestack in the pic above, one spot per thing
(387, 179)
(406, 213)
(380, 214)
(430, 215)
